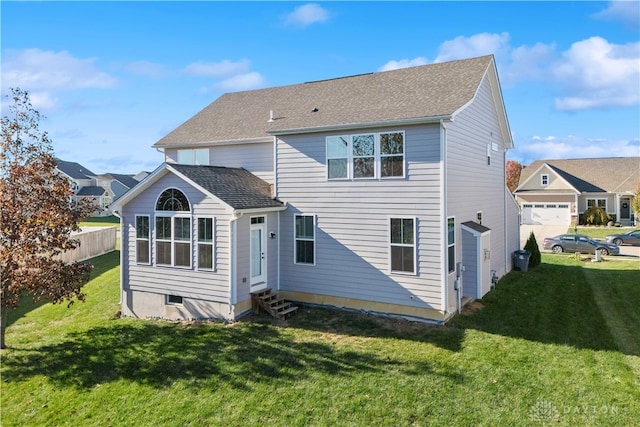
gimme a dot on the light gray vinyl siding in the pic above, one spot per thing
(186, 282)
(472, 185)
(257, 158)
(352, 222)
(243, 249)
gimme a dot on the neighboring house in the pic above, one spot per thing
(102, 189)
(382, 192)
(115, 185)
(83, 183)
(559, 191)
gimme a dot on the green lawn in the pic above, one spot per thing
(557, 345)
(101, 221)
(599, 232)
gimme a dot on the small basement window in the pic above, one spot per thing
(174, 300)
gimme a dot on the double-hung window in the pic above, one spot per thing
(451, 244)
(305, 240)
(142, 239)
(173, 229)
(544, 179)
(337, 157)
(403, 245)
(601, 203)
(205, 243)
(366, 156)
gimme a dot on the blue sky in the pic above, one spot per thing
(114, 77)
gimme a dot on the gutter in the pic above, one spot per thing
(376, 124)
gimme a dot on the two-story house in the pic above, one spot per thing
(382, 192)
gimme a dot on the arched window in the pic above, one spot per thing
(173, 229)
(174, 200)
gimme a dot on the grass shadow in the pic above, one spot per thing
(551, 304)
(158, 354)
(101, 264)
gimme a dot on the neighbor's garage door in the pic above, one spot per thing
(546, 214)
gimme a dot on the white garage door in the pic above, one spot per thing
(546, 214)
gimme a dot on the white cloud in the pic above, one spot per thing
(598, 74)
(572, 147)
(404, 63)
(476, 45)
(147, 69)
(35, 69)
(44, 73)
(592, 74)
(624, 11)
(241, 82)
(307, 14)
(223, 68)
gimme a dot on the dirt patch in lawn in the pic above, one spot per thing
(472, 307)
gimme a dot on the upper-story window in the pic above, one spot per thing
(366, 156)
(198, 156)
(544, 179)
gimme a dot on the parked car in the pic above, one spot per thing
(629, 238)
(579, 243)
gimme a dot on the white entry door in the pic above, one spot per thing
(258, 253)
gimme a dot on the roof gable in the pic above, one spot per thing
(417, 93)
(73, 170)
(237, 188)
(599, 175)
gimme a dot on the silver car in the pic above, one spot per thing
(630, 238)
(579, 243)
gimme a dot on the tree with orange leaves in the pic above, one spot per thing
(36, 214)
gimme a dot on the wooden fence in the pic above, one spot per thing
(94, 241)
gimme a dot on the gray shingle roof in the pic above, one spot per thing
(612, 174)
(91, 191)
(74, 170)
(411, 93)
(237, 187)
(127, 180)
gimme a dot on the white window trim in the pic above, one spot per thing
(449, 245)
(173, 241)
(148, 239)
(192, 154)
(295, 240)
(377, 175)
(197, 242)
(167, 302)
(544, 177)
(404, 245)
(596, 200)
(479, 217)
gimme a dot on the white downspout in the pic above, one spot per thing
(122, 263)
(232, 261)
(443, 216)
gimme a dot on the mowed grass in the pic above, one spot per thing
(101, 221)
(599, 232)
(556, 345)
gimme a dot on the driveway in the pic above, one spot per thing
(542, 231)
